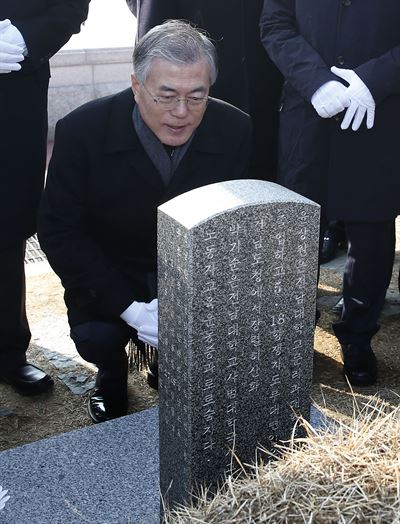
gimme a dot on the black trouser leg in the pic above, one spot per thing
(103, 343)
(366, 279)
(14, 328)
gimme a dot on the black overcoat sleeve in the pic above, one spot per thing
(300, 64)
(64, 229)
(46, 32)
(382, 74)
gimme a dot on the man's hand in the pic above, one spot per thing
(144, 318)
(330, 99)
(361, 101)
(10, 53)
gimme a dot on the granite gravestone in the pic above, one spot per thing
(237, 277)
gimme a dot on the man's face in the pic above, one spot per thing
(172, 126)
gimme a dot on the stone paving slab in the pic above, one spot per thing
(103, 474)
(51, 336)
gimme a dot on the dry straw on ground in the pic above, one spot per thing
(347, 475)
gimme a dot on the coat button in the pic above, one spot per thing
(346, 3)
(340, 60)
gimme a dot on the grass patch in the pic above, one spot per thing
(349, 473)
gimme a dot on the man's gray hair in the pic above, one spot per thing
(176, 41)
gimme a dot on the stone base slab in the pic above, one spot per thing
(104, 474)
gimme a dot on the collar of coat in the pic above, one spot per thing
(121, 135)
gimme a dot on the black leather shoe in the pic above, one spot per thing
(359, 364)
(329, 248)
(152, 376)
(28, 379)
(100, 411)
(338, 307)
(334, 238)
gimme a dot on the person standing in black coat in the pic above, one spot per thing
(339, 142)
(247, 78)
(31, 31)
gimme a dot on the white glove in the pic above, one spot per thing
(10, 54)
(361, 100)
(144, 318)
(12, 35)
(149, 334)
(330, 99)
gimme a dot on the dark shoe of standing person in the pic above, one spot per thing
(152, 375)
(27, 379)
(359, 364)
(338, 307)
(334, 237)
(101, 410)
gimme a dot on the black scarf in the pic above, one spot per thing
(165, 162)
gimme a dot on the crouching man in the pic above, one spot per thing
(115, 160)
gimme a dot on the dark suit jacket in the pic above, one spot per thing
(98, 219)
(46, 26)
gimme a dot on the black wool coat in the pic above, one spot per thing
(354, 175)
(46, 26)
(247, 78)
(98, 218)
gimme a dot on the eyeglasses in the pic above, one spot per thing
(169, 102)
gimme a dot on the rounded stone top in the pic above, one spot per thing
(203, 203)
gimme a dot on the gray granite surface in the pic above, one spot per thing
(237, 286)
(104, 474)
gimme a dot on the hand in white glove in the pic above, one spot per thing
(149, 334)
(144, 318)
(330, 99)
(10, 54)
(361, 100)
(12, 35)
